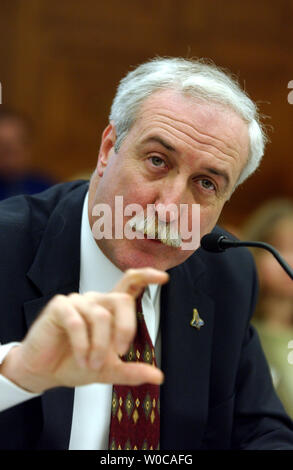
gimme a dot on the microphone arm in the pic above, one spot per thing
(223, 243)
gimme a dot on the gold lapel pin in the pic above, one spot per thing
(196, 321)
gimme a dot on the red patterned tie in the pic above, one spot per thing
(135, 420)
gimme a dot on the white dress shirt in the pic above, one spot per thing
(92, 403)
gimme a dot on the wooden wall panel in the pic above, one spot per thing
(61, 61)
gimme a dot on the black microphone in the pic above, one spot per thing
(217, 243)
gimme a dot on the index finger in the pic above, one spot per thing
(135, 280)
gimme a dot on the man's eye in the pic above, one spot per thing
(207, 184)
(157, 161)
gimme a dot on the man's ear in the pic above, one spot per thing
(106, 148)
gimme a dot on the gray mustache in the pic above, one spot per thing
(152, 227)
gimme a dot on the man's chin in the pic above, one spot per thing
(163, 259)
(145, 252)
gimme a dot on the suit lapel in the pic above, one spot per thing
(185, 359)
(55, 270)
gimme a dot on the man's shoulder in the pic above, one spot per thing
(227, 266)
(24, 218)
(19, 211)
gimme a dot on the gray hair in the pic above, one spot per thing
(198, 79)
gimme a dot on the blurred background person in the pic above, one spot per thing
(273, 223)
(16, 172)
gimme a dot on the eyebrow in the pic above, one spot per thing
(159, 140)
(213, 171)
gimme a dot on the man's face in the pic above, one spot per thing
(178, 151)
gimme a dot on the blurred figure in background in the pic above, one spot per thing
(16, 174)
(273, 223)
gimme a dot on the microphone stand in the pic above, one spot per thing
(224, 242)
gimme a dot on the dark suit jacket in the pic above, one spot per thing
(217, 392)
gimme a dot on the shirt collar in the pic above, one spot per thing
(97, 273)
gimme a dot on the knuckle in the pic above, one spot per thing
(73, 296)
(139, 272)
(57, 299)
(131, 272)
(92, 295)
(74, 322)
(133, 275)
(56, 305)
(124, 297)
(101, 313)
(137, 277)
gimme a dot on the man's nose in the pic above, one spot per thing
(171, 201)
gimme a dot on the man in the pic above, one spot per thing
(181, 133)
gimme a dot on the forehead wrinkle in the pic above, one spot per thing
(173, 131)
(194, 134)
(210, 167)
